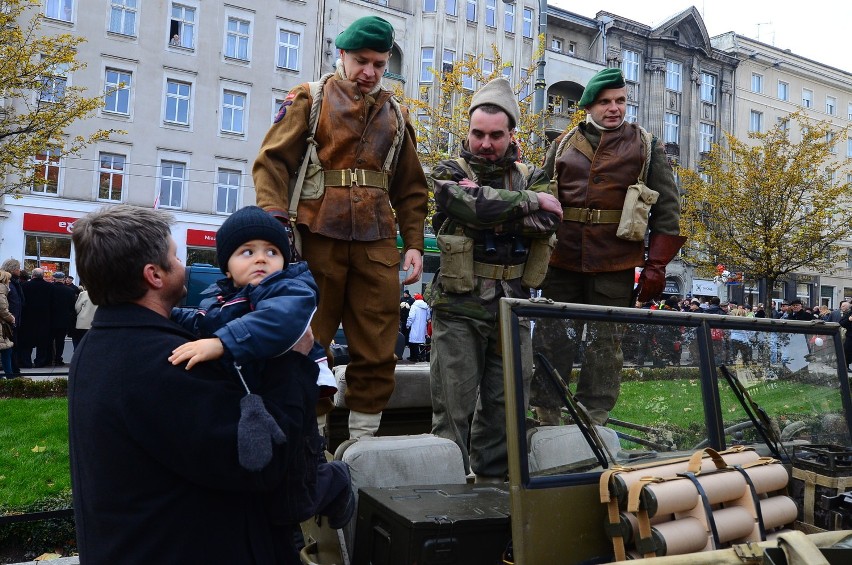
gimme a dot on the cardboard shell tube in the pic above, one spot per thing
(621, 482)
(778, 511)
(768, 478)
(733, 523)
(629, 525)
(681, 495)
(680, 536)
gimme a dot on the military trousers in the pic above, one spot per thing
(358, 285)
(602, 359)
(466, 367)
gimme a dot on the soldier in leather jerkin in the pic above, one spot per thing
(372, 184)
(595, 166)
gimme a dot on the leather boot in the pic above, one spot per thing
(362, 424)
(661, 249)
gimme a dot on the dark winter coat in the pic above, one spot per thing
(37, 313)
(16, 300)
(154, 466)
(63, 315)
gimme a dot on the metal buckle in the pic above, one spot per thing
(589, 214)
(353, 177)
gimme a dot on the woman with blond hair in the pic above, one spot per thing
(7, 320)
(740, 342)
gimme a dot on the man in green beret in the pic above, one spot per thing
(367, 182)
(592, 166)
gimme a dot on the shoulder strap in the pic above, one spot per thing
(522, 168)
(648, 141)
(466, 168)
(560, 149)
(315, 90)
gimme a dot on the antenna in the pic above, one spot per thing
(758, 28)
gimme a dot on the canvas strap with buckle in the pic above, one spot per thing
(356, 177)
(498, 272)
(590, 215)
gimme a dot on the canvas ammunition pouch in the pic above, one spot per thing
(700, 503)
(538, 261)
(456, 261)
(638, 200)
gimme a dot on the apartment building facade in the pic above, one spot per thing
(195, 87)
(772, 83)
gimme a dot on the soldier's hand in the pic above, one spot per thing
(467, 183)
(414, 262)
(549, 203)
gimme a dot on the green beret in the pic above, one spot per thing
(369, 32)
(608, 78)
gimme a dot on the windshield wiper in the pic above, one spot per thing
(758, 416)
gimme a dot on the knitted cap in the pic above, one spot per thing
(245, 225)
(58, 275)
(369, 32)
(499, 93)
(607, 78)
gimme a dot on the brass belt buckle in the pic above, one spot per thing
(353, 177)
(589, 214)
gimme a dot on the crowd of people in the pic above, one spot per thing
(41, 310)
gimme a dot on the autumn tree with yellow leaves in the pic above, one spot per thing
(36, 104)
(770, 205)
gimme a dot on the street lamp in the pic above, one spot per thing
(540, 84)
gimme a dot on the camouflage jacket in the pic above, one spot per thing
(502, 211)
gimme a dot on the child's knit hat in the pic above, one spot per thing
(245, 225)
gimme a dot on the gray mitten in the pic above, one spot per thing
(255, 433)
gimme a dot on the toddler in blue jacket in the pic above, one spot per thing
(263, 309)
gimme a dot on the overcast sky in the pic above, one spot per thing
(815, 29)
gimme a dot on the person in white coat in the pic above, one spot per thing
(85, 309)
(418, 317)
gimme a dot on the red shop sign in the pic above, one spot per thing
(201, 238)
(50, 224)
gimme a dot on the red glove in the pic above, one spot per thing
(661, 249)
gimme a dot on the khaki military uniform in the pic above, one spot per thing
(349, 231)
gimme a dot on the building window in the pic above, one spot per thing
(509, 18)
(177, 102)
(53, 85)
(111, 177)
(849, 111)
(172, 178)
(849, 147)
(487, 68)
(117, 92)
(471, 10)
(59, 10)
(47, 167)
(427, 61)
(49, 252)
(556, 44)
(830, 105)
(707, 135)
(182, 28)
(491, 13)
(122, 17)
(829, 139)
(756, 82)
(528, 23)
(227, 191)
(448, 60)
(233, 112)
(572, 48)
(555, 104)
(288, 50)
(674, 76)
(783, 90)
(630, 65)
(467, 78)
(526, 86)
(451, 7)
(430, 5)
(807, 98)
(631, 113)
(507, 72)
(237, 39)
(755, 123)
(783, 123)
(708, 88)
(672, 128)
